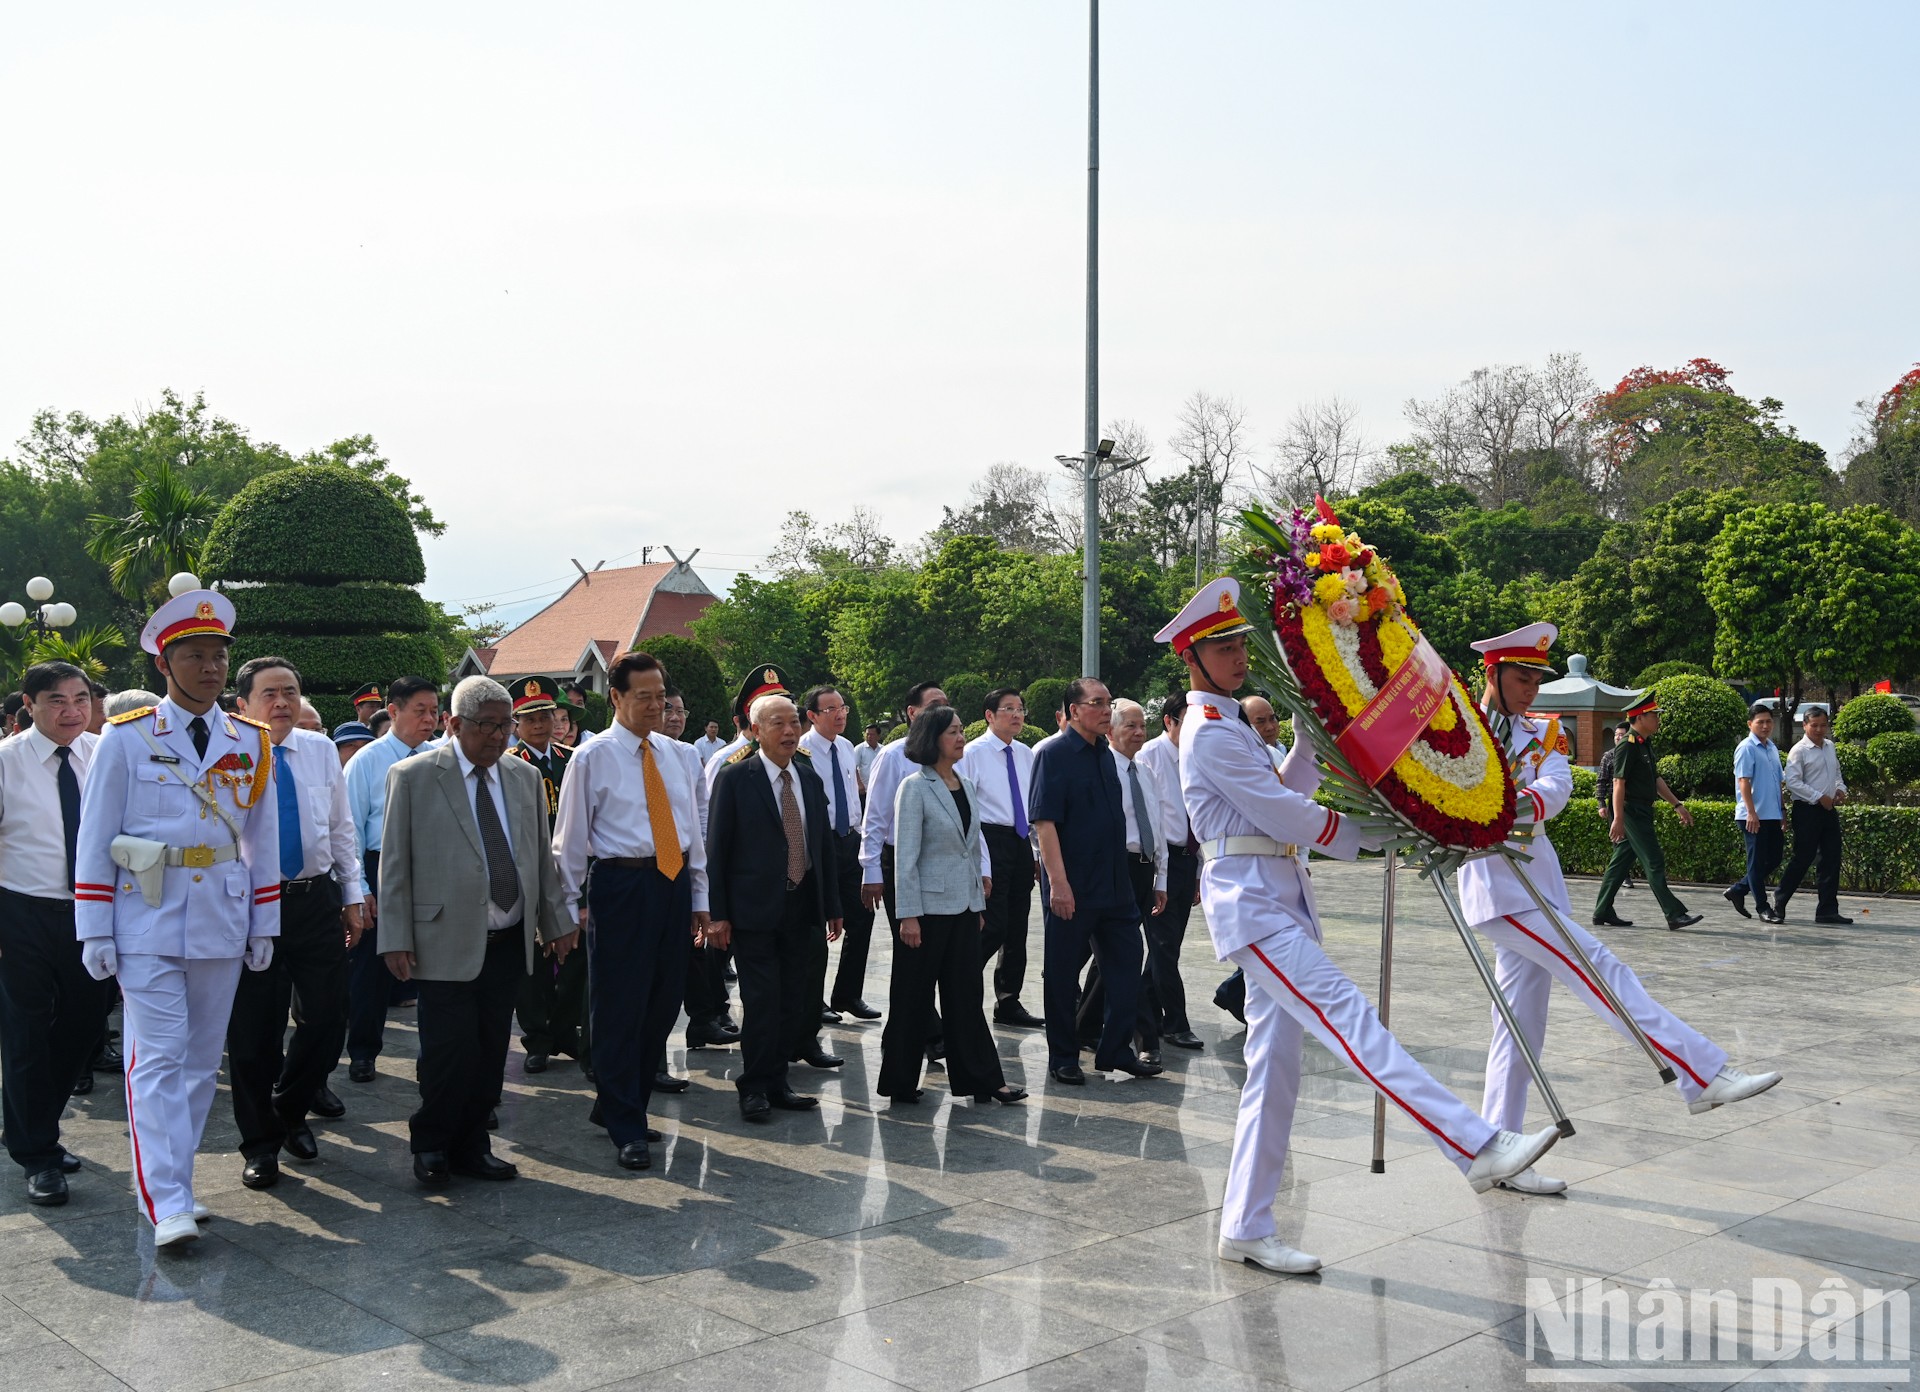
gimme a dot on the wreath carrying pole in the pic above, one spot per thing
(1386, 1000)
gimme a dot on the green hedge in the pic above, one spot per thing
(1029, 736)
(967, 693)
(1660, 671)
(1043, 699)
(692, 668)
(334, 710)
(314, 524)
(347, 608)
(339, 664)
(1880, 845)
(1895, 757)
(1699, 773)
(1875, 713)
(1700, 713)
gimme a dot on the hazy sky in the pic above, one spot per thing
(604, 275)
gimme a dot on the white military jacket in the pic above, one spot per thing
(1227, 779)
(1543, 776)
(208, 909)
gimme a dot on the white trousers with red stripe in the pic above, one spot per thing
(1294, 987)
(176, 1026)
(1532, 956)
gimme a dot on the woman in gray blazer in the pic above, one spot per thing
(940, 899)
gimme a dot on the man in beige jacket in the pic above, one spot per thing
(467, 884)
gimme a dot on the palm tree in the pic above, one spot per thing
(82, 649)
(161, 536)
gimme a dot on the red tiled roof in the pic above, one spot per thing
(486, 656)
(607, 610)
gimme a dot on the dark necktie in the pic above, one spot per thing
(503, 881)
(1141, 821)
(839, 794)
(287, 795)
(197, 727)
(1020, 827)
(69, 783)
(796, 831)
(1503, 729)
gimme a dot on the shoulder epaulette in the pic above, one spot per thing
(803, 756)
(125, 716)
(745, 751)
(565, 749)
(248, 720)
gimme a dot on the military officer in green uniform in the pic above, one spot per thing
(553, 1001)
(1636, 783)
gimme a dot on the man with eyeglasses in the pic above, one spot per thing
(1001, 768)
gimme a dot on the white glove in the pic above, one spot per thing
(259, 954)
(97, 956)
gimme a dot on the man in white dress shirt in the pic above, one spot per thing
(710, 743)
(50, 1008)
(630, 805)
(826, 744)
(866, 753)
(1001, 768)
(1817, 789)
(321, 916)
(1165, 993)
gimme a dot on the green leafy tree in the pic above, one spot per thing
(1432, 507)
(694, 671)
(1865, 599)
(1883, 464)
(1875, 713)
(159, 537)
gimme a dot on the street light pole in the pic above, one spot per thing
(45, 617)
(1090, 444)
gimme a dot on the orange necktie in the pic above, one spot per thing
(666, 836)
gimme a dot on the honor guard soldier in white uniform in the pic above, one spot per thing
(176, 881)
(1531, 951)
(1255, 831)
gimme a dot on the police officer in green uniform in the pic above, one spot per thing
(1636, 783)
(553, 1001)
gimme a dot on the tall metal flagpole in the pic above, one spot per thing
(1385, 1007)
(1090, 463)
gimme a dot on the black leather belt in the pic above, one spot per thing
(629, 862)
(1139, 859)
(306, 885)
(511, 930)
(1179, 852)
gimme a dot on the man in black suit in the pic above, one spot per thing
(772, 877)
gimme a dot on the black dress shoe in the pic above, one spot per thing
(1127, 1063)
(787, 1100)
(708, 1035)
(536, 1063)
(1011, 1012)
(70, 1163)
(1006, 1096)
(493, 1118)
(360, 1071)
(1769, 916)
(1610, 921)
(1150, 1056)
(859, 1009)
(586, 1071)
(48, 1188)
(83, 1083)
(430, 1168)
(820, 1058)
(830, 1016)
(263, 1172)
(1183, 1039)
(1684, 921)
(1833, 920)
(1069, 1074)
(906, 1099)
(652, 1135)
(484, 1166)
(1736, 895)
(666, 1082)
(109, 1059)
(300, 1144)
(634, 1155)
(325, 1104)
(755, 1107)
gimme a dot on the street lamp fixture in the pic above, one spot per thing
(45, 617)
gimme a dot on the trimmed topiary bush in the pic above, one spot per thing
(692, 668)
(319, 562)
(1895, 757)
(1699, 713)
(1660, 671)
(1875, 713)
(1698, 772)
(1029, 735)
(967, 693)
(1856, 769)
(1043, 699)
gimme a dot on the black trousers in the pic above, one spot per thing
(779, 1003)
(50, 1013)
(856, 943)
(1764, 848)
(893, 925)
(948, 958)
(1166, 934)
(1113, 937)
(464, 1029)
(272, 1086)
(553, 1007)
(639, 937)
(369, 983)
(1090, 1020)
(1816, 832)
(1010, 905)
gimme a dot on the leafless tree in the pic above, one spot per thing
(1120, 492)
(1321, 452)
(1483, 432)
(1211, 439)
(806, 544)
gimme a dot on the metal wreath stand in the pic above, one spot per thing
(1350, 795)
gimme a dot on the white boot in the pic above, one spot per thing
(1531, 1181)
(1269, 1252)
(1731, 1085)
(176, 1231)
(1509, 1153)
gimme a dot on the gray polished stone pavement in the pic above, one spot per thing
(1066, 1243)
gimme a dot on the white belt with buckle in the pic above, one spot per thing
(200, 857)
(1248, 846)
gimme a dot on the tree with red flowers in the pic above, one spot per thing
(1883, 460)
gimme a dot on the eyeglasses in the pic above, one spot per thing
(1097, 705)
(487, 727)
(1011, 710)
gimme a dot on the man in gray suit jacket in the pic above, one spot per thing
(467, 880)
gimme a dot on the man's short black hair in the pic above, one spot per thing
(403, 689)
(999, 694)
(379, 722)
(923, 736)
(674, 693)
(1625, 726)
(917, 693)
(98, 690)
(810, 703)
(1076, 692)
(230, 703)
(1174, 707)
(629, 665)
(254, 666)
(42, 677)
(1759, 708)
